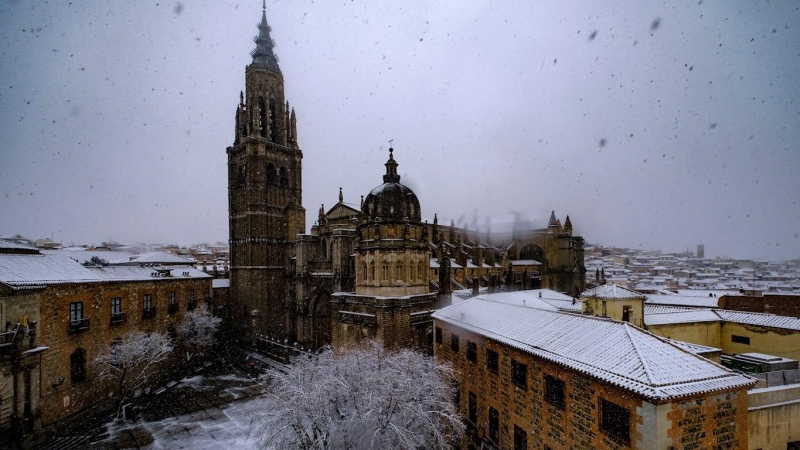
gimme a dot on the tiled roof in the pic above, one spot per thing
(615, 352)
(611, 291)
(680, 315)
(697, 349)
(39, 270)
(153, 258)
(683, 300)
(11, 245)
(761, 319)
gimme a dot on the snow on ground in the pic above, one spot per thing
(234, 426)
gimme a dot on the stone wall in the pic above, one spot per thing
(721, 419)
(60, 396)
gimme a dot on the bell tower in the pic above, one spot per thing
(264, 195)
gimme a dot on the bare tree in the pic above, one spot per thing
(196, 333)
(131, 360)
(366, 398)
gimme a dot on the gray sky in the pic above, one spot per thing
(652, 125)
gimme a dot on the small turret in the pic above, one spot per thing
(568, 226)
(341, 197)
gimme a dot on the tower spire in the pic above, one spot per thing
(264, 55)
(391, 169)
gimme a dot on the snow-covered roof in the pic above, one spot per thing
(680, 315)
(760, 319)
(697, 349)
(152, 258)
(525, 262)
(615, 352)
(611, 291)
(220, 283)
(683, 300)
(44, 269)
(83, 255)
(11, 245)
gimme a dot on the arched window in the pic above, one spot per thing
(273, 127)
(272, 175)
(324, 249)
(398, 270)
(365, 271)
(385, 271)
(420, 271)
(372, 271)
(262, 117)
(411, 272)
(284, 177)
(77, 366)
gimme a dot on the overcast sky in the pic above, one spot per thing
(652, 125)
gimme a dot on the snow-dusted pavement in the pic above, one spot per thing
(228, 426)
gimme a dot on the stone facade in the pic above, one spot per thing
(62, 392)
(575, 418)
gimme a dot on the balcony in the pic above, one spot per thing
(149, 313)
(172, 308)
(119, 319)
(78, 326)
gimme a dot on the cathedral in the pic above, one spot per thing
(376, 271)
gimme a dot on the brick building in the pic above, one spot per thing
(76, 312)
(530, 377)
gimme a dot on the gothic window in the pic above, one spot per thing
(241, 177)
(273, 128)
(272, 175)
(284, 176)
(385, 271)
(262, 117)
(77, 366)
(420, 271)
(372, 271)
(399, 270)
(365, 271)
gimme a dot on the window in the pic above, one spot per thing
(399, 270)
(77, 323)
(454, 343)
(77, 366)
(520, 439)
(75, 312)
(740, 339)
(364, 267)
(519, 374)
(554, 392)
(472, 351)
(420, 271)
(173, 305)
(794, 445)
(472, 413)
(385, 271)
(438, 335)
(272, 175)
(456, 394)
(615, 421)
(491, 360)
(191, 305)
(148, 310)
(117, 316)
(372, 271)
(283, 175)
(494, 425)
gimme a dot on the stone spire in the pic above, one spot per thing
(391, 169)
(263, 55)
(341, 197)
(553, 221)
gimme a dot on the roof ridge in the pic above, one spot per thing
(639, 353)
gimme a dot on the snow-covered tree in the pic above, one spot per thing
(363, 399)
(196, 332)
(131, 360)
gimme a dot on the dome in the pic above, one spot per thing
(391, 201)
